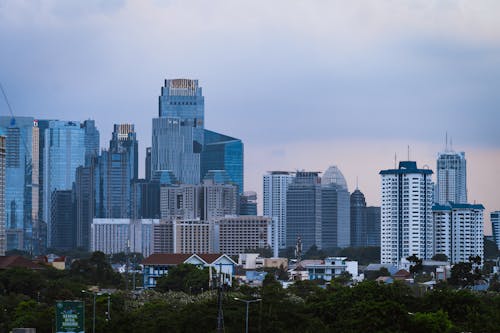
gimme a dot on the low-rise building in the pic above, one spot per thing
(331, 268)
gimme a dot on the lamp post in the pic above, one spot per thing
(95, 294)
(247, 302)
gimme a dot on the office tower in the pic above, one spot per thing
(495, 226)
(123, 235)
(2, 192)
(365, 222)
(303, 210)
(205, 201)
(451, 183)
(372, 226)
(459, 231)
(358, 219)
(275, 186)
(85, 204)
(248, 203)
(235, 235)
(62, 220)
(148, 163)
(178, 133)
(406, 222)
(222, 152)
(124, 139)
(91, 141)
(64, 151)
(332, 175)
(113, 192)
(21, 180)
(145, 199)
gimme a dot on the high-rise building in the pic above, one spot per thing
(183, 236)
(459, 231)
(178, 132)
(124, 139)
(2, 192)
(21, 180)
(303, 210)
(91, 141)
(406, 222)
(145, 199)
(222, 152)
(365, 222)
(248, 203)
(85, 185)
(495, 226)
(148, 163)
(123, 235)
(274, 203)
(451, 173)
(62, 220)
(63, 153)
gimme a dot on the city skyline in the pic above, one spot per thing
(335, 82)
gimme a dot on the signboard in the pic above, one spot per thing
(70, 317)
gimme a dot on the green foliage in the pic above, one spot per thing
(184, 277)
(440, 257)
(363, 255)
(432, 322)
(264, 252)
(314, 253)
(95, 270)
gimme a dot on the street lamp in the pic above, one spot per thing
(247, 302)
(95, 294)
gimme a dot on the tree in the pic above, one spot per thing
(184, 277)
(96, 270)
(418, 267)
(432, 322)
(314, 253)
(461, 275)
(440, 257)
(344, 278)
(363, 255)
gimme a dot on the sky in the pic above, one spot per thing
(305, 84)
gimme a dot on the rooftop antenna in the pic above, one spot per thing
(446, 142)
(408, 152)
(357, 188)
(451, 144)
(395, 160)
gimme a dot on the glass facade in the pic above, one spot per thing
(21, 136)
(222, 152)
(62, 220)
(63, 153)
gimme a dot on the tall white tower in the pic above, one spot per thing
(451, 178)
(406, 214)
(275, 187)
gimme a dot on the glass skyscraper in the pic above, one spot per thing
(222, 152)
(365, 221)
(180, 142)
(21, 187)
(63, 153)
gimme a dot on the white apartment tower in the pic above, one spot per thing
(459, 231)
(275, 187)
(451, 173)
(406, 213)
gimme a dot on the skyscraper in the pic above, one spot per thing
(407, 224)
(303, 210)
(248, 203)
(495, 226)
(178, 133)
(21, 180)
(372, 226)
(459, 231)
(124, 139)
(85, 185)
(148, 163)
(91, 141)
(275, 188)
(451, 178)
(222, 152)
(2, 193)
(62, 220)
(358, 219)
(63, 153)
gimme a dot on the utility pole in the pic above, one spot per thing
(220, 293)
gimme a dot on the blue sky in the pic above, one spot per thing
(305, 84)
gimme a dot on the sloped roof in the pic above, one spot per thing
(166, 258)
(402, 273)
(7, 262)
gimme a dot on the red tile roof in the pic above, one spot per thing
(166, 258)
(7, 262)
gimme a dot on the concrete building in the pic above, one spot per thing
(235, 235)
(123, 235)
(331, 268)
(451, 173)
(182, 236)
(406, 221)
(459, 231)
(275, 185)
(495, 226)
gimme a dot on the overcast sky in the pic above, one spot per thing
(305, 84)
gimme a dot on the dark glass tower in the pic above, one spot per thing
(358, 219)
(62, 220)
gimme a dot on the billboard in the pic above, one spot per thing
(70, 317)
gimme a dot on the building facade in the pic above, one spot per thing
(62, 220)
(183, 236)
(2, 192)
(275, 185)
(459, 230)
(248, 203)
(406, 213)
(123, 235)
(365, 222)
(451, 173)
(495, 226)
